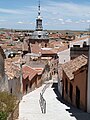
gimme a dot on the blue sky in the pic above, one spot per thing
(56, 14)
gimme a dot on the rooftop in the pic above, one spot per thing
(74, 65)
(40, 35)
(28, 72)
(11, 69)
(37, 64)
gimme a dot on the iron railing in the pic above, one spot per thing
(42, 101)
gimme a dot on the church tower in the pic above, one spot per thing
(39, 19)
(39, 36)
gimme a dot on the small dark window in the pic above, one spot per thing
(30, 85)
(66, 86)
(45, 45)
(77, 97)
(39, 36)
(71, 91)
(26, 88)
(11, 90)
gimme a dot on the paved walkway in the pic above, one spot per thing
(56, 109)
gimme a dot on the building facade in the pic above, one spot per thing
(32, 78)
(74, 82)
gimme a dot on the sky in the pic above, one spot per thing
(56, 14)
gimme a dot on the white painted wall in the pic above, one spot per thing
(64, 56)
(78, 42)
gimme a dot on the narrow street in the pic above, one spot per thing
(56, 108)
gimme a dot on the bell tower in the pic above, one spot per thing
(39, 20)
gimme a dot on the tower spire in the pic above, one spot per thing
(39, 8)
(39, 19)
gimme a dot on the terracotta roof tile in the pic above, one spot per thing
(62, 48)
(39, 70)
(52, 51)
(11, 69)
(28, 72)
(74, 65)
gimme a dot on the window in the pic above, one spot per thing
(30, 85)
(39, 36)
(66, 86)
(11, 90)
(26, 88)
(71, 91)
(45, 45)
(77, 97)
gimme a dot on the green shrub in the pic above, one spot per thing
(7, 104)
(3, 116)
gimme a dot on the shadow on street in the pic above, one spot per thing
(77, 113)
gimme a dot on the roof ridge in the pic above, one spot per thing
(84, 56)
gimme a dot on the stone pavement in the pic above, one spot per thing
(56, 108)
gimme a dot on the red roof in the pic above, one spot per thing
(28, 72)
(55, 35)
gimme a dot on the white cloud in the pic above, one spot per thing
(82, 21)
(46, 24)
(68, 13)
(10, 11)
(20, 22)
(88, 21)
(54, 14)
(63, 23)
(68, 20)
(31, 23)
(25, 23)
(60, 19)
(67, 9)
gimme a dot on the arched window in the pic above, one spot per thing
(45, 45)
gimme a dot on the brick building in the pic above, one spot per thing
(74, 82)
(29, 79)
(32, 78)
